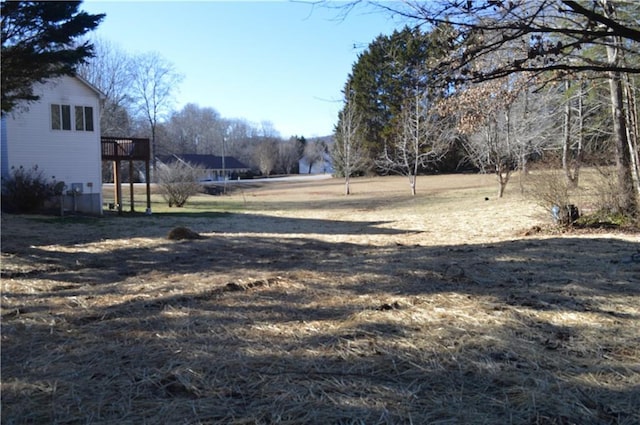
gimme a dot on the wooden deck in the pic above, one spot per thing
(118, 149)
(127, 149)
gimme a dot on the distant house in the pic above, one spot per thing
(60, 133)
(213, 168)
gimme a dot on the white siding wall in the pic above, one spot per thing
(68, 155)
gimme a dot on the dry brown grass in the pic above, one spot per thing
(306, 306)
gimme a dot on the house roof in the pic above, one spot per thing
(208, 162)
(99, 92)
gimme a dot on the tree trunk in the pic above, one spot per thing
(412, 183)
(626, 191)
(577, 157)
(523, 164)
(623, 163)
(572, 156)
(503, 173)
(566, 140)
(524, 170)
(632, 130)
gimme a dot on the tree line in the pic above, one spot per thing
(496, 85)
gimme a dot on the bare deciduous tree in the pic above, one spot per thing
(348, 153)
(266, 155)
(422, 138)
(314, 152)
(154, 83)
(484, 113)
(194, 130)
(110, 71)
(238, 136)
(532, 126)
(490, 149)
(289, 155)
(581, 126)
(267, 129)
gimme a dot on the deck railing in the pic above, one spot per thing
(132, 149)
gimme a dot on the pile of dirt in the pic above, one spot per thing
(181, 233)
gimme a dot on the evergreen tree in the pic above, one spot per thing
(39, 42)
(390, 70)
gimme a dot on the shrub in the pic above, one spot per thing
(551, 190)
(606, 219)
(608, 203)
(177, 182)
(26, 190)
(609, 200)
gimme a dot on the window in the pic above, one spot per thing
(60, 117)
(79, 118)
(84, 118)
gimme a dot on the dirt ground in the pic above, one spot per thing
(302, 305)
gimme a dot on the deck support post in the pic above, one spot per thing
(131, 185)
(147, 179)
(117, 182)
(118, 149)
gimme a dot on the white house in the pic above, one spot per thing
(60, 133)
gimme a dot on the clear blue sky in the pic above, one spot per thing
(283, 62)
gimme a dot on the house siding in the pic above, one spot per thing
(64, 155)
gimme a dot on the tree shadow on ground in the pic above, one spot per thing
(257, 329)
(73, 231)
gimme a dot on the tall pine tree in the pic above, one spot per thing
(39, 42)
(389, 71)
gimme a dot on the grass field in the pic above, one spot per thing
(300, 305)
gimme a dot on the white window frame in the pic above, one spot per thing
(61, 122)
(81, 122)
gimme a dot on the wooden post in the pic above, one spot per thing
(147, 179)
(118, 185)
(131, 198)
(115, 185)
